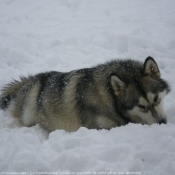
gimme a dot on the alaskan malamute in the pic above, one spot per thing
(105, 96)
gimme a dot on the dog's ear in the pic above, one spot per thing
(150, 67)
(117, 84)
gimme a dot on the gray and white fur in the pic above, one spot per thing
(102, 97)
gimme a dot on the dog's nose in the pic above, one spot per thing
(162, 121)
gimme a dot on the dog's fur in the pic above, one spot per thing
(105, 96)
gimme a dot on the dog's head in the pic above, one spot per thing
(142, 100)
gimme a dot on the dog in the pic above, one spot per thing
(102, 97)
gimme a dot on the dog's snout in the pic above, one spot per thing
(162, 121)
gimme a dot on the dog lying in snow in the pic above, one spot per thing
(104, 96)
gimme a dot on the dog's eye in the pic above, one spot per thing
(142, 106)
(155, 98)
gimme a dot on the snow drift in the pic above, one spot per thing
(38, 36)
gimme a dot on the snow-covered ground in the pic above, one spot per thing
(63, 35)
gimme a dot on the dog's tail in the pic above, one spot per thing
(9, 92)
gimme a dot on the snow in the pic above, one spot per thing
(63, 35)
